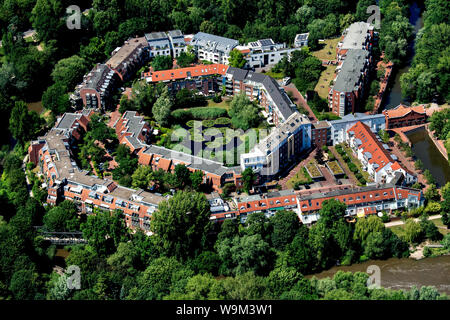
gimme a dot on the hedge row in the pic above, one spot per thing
(201, 113)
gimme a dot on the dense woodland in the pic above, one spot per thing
(188, 257)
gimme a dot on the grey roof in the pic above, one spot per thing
(334, 193)
(156, 36)
(356, 117)
(135, 123)
(238, 74)
(175, 33)
(98, 76)
(350, 73)
(279, 97)
(68, 120)
(356, 36)
(301, 36)
(190, 161)
(221, 44)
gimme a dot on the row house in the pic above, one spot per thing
(133, 131)
(129, 58)
(403, 116)
(207, 79)
(97, 88)
(65, 181)
(361, 201)
(280, 149)
(264, 52)
(213, 48)
(170, 43)
(374, 156)
(350, 83)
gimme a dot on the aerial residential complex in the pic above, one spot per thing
(291, 138)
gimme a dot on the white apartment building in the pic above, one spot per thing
(213, 48)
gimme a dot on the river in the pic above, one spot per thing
(394, 96)
(404, 273)
(425, 149)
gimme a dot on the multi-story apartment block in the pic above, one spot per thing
(280, 149)
(264, 52)
(359, 35)
(301, 40)
(205, 78)
(350, 83)
(374, 156)
(361, 201)
(126, 60)
(402, 116)
(96, 89)
(270, 95)
(169, 43)
(213, 48)
(339, 128)
(65, 181)
(177, 43)
(159, 44)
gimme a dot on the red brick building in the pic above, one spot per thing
(403, 116)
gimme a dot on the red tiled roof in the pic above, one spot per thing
(200, 70)
(371, 144)
(401, 111)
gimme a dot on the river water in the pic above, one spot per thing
(394, 96)
(425, 149)
(402, 274)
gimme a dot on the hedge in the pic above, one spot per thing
(200, 113)
(222, 121)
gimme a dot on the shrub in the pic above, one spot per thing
(190, 123)
(222, 121)
(200, 113)
(362, 181)
(352, 168)
(208, 123)
(358, 175)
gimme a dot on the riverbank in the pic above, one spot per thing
(403, 273)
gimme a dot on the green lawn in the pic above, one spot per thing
(299, 176)
(328, 50)
(223, 104)
(399, 230)
(323, 84)
(275, 75)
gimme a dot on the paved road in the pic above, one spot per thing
(400, 222)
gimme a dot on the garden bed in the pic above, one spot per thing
(335, 168)
(313, 171)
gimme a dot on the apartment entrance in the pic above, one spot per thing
(266, 59)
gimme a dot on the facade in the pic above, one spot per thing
(361, 201)
(213, 48)
(264, 52)
(280, 149)
(402, 116)
(126, 60)
(205, 78)
(374, 156)
(320, 134)
(158, 43)
(169, 43)
(301, 40)
(350, 83)
(266, 90)
(96, 88)
(339, 128)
